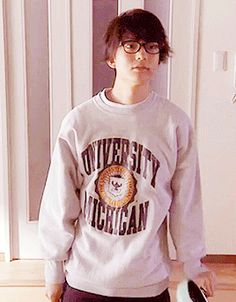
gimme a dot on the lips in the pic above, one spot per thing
(140, 68)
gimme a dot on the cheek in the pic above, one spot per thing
(123, 59)
(155, 64)
(155, 61)
(123, 64)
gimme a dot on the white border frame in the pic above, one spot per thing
(184, 39)
(59, 26)
(124, 5)
(170, 33)
(82, 51)
(4, 132)
(194, 50)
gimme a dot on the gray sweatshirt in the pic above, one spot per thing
(117, 173)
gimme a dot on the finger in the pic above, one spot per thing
(208, 286)
(55, 299)
(212, 282)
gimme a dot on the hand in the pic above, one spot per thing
(206, 280)
(54, 291)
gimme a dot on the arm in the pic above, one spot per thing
(186, 217)
(54, 275)
(60, 207)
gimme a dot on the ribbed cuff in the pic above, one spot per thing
(194, 267)
(54, 272)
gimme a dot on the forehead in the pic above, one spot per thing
(132, 37)
(135, 37)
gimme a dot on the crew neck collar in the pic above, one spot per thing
(108, 105)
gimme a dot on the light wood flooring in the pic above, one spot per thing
(22, 281)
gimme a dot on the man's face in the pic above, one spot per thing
(137, 68)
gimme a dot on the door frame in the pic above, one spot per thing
(14, 130)
(124, 5)
(5, 184)
(184, 63)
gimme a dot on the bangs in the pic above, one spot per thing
(141, 27)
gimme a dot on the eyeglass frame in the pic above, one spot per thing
(140, 45)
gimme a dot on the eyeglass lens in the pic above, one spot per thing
(134, 46)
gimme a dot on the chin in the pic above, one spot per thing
(142, 81)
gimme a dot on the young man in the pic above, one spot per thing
(122, 162)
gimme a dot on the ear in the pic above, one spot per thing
(111, 63)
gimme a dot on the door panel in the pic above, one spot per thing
(28, 117)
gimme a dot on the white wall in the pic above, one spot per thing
(216, 125)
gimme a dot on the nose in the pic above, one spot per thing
(141, 54)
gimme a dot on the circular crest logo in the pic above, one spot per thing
(116, 186)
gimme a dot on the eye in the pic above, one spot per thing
(152, 46)
(130, 45)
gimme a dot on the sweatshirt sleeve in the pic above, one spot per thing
(60, 206)
(186, 217)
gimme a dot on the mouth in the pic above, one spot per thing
(140, 68)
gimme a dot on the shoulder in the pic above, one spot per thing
(173, 112)
(77, 118)
(77, 115)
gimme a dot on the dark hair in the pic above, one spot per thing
(141, 25)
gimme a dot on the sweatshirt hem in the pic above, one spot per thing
(140, 292)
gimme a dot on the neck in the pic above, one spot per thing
(128, 95)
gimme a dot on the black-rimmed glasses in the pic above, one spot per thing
(131, 47)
